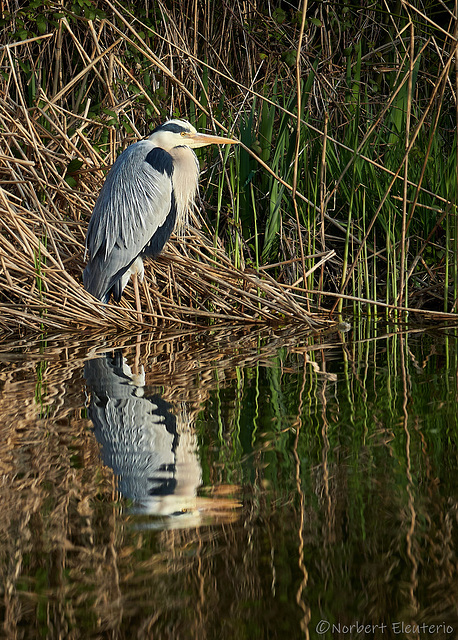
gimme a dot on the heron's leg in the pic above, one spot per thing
(137, 297)
(136, 368)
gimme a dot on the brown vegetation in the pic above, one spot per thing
(50, 173)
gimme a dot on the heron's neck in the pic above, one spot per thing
(185, 179)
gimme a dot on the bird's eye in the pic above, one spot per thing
(183, 133)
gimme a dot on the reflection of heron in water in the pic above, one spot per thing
(156, 463)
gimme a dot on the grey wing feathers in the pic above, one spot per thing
(133, 204)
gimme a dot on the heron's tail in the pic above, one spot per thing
(102, 281)
(95, 283)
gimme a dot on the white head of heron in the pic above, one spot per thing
(175, 133)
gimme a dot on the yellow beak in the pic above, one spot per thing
(196, 140)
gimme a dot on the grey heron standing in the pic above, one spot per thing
(147, 192)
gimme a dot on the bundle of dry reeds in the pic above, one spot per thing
(50, 173)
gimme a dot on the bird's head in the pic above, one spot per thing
(179, 133)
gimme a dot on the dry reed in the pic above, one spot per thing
(44, 216)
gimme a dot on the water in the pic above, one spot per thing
(230, 484)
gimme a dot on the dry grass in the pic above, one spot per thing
(72, 99)
(43, 219)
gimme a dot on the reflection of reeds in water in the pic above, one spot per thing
(54, 488)
(378, 513)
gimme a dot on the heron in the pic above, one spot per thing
(147, 193)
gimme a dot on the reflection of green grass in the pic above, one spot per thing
(41, 390)
(371, 513)
(377, 464)
(41, 387)
(357, 425)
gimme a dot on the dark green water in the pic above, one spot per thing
(265, 485)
